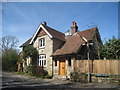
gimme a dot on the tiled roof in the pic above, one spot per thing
(55, 33)
(73, 43)
(88, 34)
(71, 46)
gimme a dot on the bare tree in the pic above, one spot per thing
(8, 42)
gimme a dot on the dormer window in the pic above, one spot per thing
(42, 43)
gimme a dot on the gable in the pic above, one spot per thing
(37, 31)
(52, 33)
(41, 33)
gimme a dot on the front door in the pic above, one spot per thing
(62, 68)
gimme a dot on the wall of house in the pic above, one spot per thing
(69, 69)
(55, 68)
(47, 50)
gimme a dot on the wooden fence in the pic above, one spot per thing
(98, 66)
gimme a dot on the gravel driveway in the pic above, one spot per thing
(12, 80)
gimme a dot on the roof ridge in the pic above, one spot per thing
(52, 28)
(88, 29)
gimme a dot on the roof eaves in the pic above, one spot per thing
(41, 26)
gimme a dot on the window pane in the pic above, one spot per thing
(41, 43)
(39, 63)
(44, 62)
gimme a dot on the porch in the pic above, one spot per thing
(62, 67)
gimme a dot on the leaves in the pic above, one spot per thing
(30, 51)
(111, 49)
(9, 60)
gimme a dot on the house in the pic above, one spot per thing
(59, 51)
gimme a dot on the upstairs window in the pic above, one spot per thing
(42, 60)
(42, 42)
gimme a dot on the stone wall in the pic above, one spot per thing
(47, 50)
(112, 78)
(69, 69)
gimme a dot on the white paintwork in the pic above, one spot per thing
(41, 26)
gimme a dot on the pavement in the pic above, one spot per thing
(16, 81)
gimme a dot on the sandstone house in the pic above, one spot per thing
(58, 52)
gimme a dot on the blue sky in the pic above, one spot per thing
(21, 19)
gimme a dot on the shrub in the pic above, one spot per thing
(31, 69)
(39, 71)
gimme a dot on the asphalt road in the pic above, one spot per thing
(15, 81)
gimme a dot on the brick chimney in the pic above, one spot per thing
(74, 27)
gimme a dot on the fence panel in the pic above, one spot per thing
(98, 66)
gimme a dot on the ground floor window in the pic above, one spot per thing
(55, 62)
(42, 60)
(69, 61)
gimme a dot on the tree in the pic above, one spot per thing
(9, 60)
(30, 51)
(111, 49)
(8, 42)
(9, 53)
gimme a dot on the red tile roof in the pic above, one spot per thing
(55, 33)
(73, 43)
(88, 34)
(71, 46)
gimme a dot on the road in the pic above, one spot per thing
(12, 80)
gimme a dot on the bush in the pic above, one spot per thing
(39, 71)
(9, 60)
(78, 77)
(30, 69)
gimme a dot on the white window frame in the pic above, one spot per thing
(42, 43)
(42, 60)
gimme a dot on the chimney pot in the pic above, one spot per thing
(74, 23)
(74, 27)
(45, 23)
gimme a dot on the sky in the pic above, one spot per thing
(21, 19)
